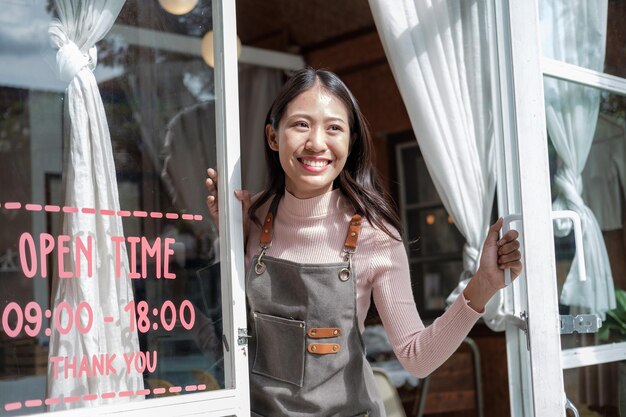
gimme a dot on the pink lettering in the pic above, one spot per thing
(27, 239)
(55, 361)
(86, 251)
(133, 256)
(46, 245)
(168, 252)
(118, 242)
(79, 366)
(62, 241)
(152, 251)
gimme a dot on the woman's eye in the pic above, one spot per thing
(336, 128)
(301, 124)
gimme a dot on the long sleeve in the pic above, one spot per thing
(420, 349)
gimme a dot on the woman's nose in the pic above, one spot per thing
(316, 141)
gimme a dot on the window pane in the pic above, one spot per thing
(94, 313)
(433, 233)
(433, 282)
(587, 52)
(586, 129)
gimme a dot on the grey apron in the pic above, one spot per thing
(306, 353)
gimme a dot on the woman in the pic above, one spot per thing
(324, 238)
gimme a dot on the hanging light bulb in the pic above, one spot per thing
(178, 7)
(206, 48)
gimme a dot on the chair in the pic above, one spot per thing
(388, 393)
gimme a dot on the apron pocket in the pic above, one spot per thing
(280, 346)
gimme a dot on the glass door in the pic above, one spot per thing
(117, 293)
(562, 87)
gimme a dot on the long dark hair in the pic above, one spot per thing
(358, 180)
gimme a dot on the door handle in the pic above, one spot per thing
(555, 215)
(570, 406)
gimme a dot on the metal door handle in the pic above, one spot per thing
(570, 406)
(578, 238)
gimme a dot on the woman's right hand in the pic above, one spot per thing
(212, 203)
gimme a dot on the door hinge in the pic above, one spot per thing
(242, 337)
(582, 323)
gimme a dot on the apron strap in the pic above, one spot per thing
(352, 238)
(267, 231)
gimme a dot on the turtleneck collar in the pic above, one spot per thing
(319, 206)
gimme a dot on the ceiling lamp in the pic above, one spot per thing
(206, 48)
(178, 7)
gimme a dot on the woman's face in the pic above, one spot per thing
(313, 141)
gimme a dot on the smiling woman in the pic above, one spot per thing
(329, 242)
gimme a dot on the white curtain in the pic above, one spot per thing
(90, 182)
(438, 53)
(574, 31)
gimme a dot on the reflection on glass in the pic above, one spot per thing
(587, 164)
(58, 347)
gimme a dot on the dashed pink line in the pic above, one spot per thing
(108, 319)
(107, 395)
(51, 208)
(12, 406)
(72, 399)
(33, 207)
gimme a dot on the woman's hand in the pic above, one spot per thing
(212, 202)
(497, 255)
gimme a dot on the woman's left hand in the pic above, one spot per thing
(497, 255)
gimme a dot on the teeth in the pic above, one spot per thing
(316, 164)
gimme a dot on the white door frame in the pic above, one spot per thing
(536, 377)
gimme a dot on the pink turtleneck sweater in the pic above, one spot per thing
(313, 231)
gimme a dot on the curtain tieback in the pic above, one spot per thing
(70, 60)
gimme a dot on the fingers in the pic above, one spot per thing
(509, 255)
(494, 231)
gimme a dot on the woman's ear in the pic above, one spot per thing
(272, 137)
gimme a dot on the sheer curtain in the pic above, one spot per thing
(574, 31)
(90, 183)
(438, 53)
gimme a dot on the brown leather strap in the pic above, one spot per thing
(267, 230)
(323, 348)
(354, 230)
(323, 332)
